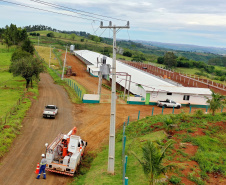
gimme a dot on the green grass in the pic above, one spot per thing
(12, 111)
(7, 135)
(210, 155)
(98, 171)
(189, 71)
(74, 83)
(4, 49)
(11, 87)
(5, 60)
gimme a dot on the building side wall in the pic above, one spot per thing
(179, 98)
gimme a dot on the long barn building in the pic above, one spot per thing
(147, 88)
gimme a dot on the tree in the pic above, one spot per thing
(151, 161)
(51, 34)
(216, 102)
(170, 60)
(28, 68)
(28, 46)
(18, 54)
(127, 53)
(73, 36)
(160, 60)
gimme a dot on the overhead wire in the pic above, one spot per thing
(27, 6)
(39, 1)
(66, 9)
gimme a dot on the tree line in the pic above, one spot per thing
(23, 61)
(11, 35)
(170, 60)
(43, 27)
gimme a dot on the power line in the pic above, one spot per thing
(47, 10)
(51, 4)
(66, 9)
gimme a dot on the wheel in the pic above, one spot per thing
(165, 106)
(178, 106)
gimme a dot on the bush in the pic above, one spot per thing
(196, 180)
(175, 180)
(127, 53)
(198, 113)
(50, 34)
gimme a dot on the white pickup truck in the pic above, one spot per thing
(168, 103)
(50, 111)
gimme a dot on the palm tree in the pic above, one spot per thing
(152, 160)
(215, 102)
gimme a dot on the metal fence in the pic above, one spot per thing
(76, 88)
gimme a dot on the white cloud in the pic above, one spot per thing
(153, 16)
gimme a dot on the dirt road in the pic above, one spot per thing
(18, 166)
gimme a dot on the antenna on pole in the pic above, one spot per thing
(111, 154)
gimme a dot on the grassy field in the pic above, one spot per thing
(200, 132)
(44, 52)
(11, 87)
(15, 101)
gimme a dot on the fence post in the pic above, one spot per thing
(173, 110)
(190, 110)
(206, 109)
(124, 128)
(128, 121)
(152, 111)
(126, 180)
(222, 108)
(126, 157)
(162, 109)
(123, 147)
(139, 115)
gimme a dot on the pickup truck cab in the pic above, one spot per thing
(168, 103)
(50, 111)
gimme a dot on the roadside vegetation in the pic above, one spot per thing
(197, 151)
(18, 71)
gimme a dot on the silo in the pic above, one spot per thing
(72, 48)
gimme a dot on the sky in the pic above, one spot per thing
(196, 22)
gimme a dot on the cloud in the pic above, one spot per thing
(145, 16)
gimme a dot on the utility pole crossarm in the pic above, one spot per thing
(110, 25)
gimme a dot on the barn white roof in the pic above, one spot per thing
(138, 77)
(182, 90)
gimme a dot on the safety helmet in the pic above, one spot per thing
(43, 155)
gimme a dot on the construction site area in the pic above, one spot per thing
(92, 122)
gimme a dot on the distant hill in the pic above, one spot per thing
(148, 48)
(185, 47)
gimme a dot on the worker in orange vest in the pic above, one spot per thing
(42, 167)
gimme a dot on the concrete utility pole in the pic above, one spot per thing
(111, 154)
(62, 77)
